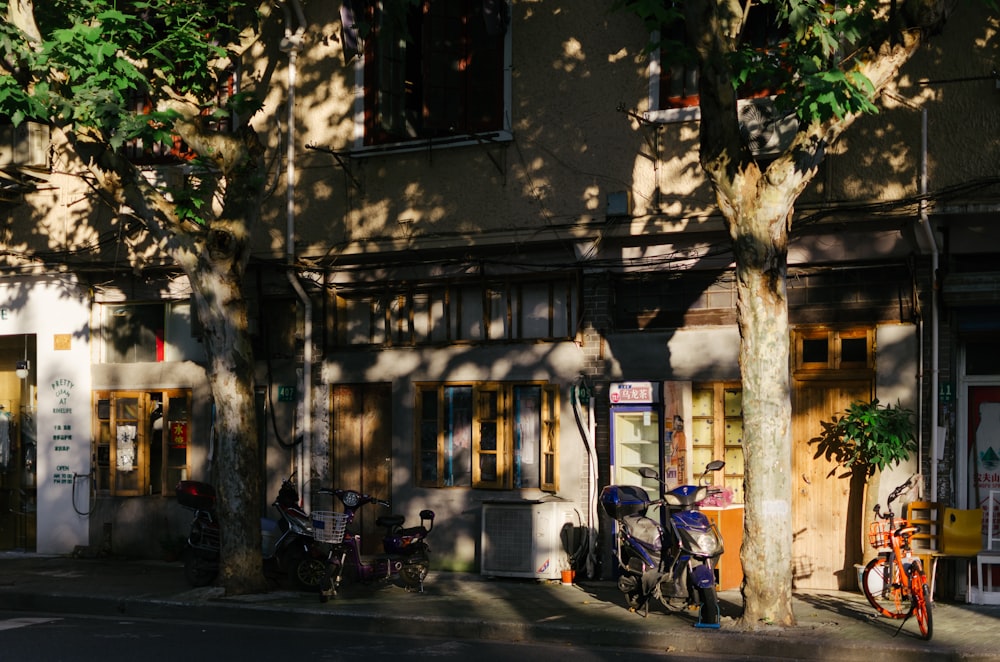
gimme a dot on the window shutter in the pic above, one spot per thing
(550, 438)
(489, 442)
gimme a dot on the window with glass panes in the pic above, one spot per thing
(717, 433)
(141, 440)
(488, 435)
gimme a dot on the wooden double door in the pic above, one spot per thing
(361, 451)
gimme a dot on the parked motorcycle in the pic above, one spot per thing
(287, 543)
(673, 559)
(405, 550)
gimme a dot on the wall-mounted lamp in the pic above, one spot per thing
(21, 369)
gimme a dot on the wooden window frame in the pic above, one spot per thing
(105, 436)
(720, 449)
(492, 414)
(834, 338)
(468, 312)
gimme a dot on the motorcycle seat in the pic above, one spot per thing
(413, 531)
(390, 521)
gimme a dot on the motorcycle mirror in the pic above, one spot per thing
(649, 472)
(714, 465)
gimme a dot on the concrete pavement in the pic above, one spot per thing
(831, 625)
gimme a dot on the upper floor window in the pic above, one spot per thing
(673, 82)
(467, 312)
(148, 332)
(437, 72)
(674, 300)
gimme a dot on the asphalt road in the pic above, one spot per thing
(53, 638)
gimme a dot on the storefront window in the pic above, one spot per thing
(141, 440)
(717, 434)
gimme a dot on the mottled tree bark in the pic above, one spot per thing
(757, 201)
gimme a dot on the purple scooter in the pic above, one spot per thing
(405, 550)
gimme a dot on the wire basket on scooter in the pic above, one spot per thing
(329, 526)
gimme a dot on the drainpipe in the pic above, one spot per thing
(929, 232)
(292, 44)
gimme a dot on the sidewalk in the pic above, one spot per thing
(831, 625)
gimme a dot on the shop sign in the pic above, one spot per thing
(624, 393)
(178, 434)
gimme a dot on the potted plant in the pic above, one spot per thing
(868, 438)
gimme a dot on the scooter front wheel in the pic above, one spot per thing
(709, 615)
(306, 572)
(413, 572)
(199, 571)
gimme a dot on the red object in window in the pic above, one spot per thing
(178, 435)
(159, 345)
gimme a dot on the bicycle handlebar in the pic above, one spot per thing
(895, 494)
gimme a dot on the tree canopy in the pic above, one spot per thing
(162, 76)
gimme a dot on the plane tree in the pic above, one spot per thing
(156, 73)
(826, 65)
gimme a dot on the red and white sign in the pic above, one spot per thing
(625, 393)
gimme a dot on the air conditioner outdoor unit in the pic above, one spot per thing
(524, 539)
(765, 130)
(25, 145)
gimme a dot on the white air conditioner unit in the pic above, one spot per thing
(24, 145)
(766, 131)
(524, 539)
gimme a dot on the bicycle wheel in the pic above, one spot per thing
(921, 600)
(883, 589)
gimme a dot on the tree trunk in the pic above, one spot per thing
(223, 314)
(214, 254)
(216, 272)
(760, 245)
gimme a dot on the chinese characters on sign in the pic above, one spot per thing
(178, 434)
(631, 393)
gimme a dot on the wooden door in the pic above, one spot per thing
(826, 507)
(361, 451)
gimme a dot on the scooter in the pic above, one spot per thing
(673, 559)
(287, 543)
(405, 550)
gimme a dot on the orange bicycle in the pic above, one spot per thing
(894, 581)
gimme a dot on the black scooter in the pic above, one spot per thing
(288, 543)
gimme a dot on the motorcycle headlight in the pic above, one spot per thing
(708, 543)
(701, 543)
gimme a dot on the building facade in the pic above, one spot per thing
(484, 263)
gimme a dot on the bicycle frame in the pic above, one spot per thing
(894, 582)
(899, 560)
